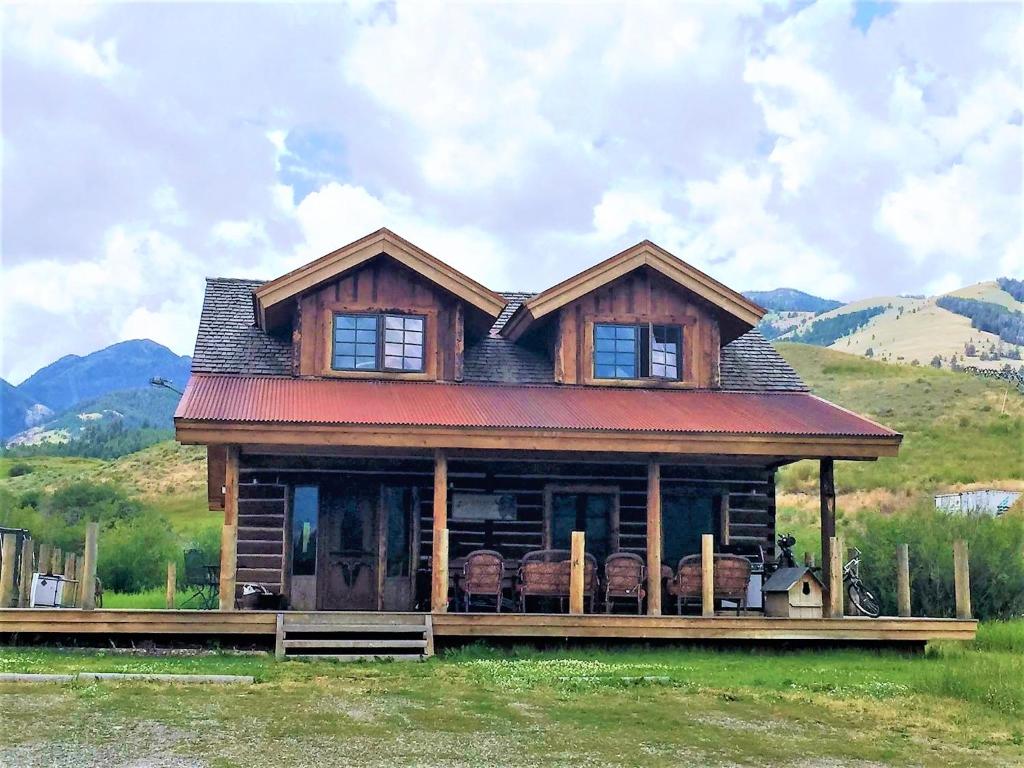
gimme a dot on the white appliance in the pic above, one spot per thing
(47, 591)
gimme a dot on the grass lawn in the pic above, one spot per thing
(955, 706)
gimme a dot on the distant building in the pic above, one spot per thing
(990, 502)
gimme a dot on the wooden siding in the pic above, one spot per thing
(261, 534)
(381, 285)
(641, 296)
(750, 492)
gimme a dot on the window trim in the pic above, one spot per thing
(379, 366)
(638, 352)
(614, 519)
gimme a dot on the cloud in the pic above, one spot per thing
(146, 146)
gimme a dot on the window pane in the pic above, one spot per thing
(399, 505)
(412, 363)
(344, 362)
(344, 321)
(366, 363)
(393, 321)
(305, 512)
(366, 322)
(666, 344)
(393, 336)
(615, 351)
(367, 337)
(345, 348)
(345, 334)
(414, 323)
(393, 349)
(393, 361)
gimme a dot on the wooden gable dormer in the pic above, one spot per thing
(652, 300)
(389, 288)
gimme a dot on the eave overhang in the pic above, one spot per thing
(382, 242)
(645, 253)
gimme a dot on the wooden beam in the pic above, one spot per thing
(229, 533)
(27, 568)
(723, 518)
(228, 566)
(707, 574)
(172, 583)
(439, 574)
(69, 566)
(88, 585)
(961, 579)
(199, 432)
(835, 570)
(903, 580)
(654, 539)
(576, 567)
(439, 556)
(827, 491)
(9, 554)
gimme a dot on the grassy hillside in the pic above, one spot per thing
(916, 328)
(958, 429)
(166, 477)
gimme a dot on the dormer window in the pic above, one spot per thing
(378, 342)
(637, 350)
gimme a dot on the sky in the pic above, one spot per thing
(848, 150)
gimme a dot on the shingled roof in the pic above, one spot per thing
(229, 343)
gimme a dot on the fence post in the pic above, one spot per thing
(88, 583)
(707, 574)
(835, 578)
(809, 559)
(45, 555)
(57, 561)
(25, 592)
(903, 580)
(8, 555)
(172, 575)
(962, 580)
(576, 572)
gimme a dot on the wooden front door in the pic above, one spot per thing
(349, 550)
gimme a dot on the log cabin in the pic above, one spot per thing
(374, 418)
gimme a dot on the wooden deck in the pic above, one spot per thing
(29, 623)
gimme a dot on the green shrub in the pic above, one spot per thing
(207, 541)
(18, 469)
(133, 554)
(996, 548)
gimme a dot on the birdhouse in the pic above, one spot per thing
(795, 593)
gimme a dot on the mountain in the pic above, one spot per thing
(122, 366)
(791, 300)
(18, 411)
(977, 326)
(111, 418)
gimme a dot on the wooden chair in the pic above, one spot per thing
(482, 575)
(546, 573)
(624, 575)
(731, 576)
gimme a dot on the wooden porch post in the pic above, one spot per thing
(229, 534)
(653, 539)
(439, 556)
(827, 488)
(707, 574)
(87, 588)
(576, 565)
(903, 580)
(835, 573)
(961, 580)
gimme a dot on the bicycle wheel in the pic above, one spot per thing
(862, 599)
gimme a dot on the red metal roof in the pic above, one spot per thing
(394, 403)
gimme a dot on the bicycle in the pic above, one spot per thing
(861, 598)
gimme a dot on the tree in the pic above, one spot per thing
(970, 350)
(869, 352)
(936, 362)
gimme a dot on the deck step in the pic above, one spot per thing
(333, 629)
(361, 643)
(398, 637)
(360, 656)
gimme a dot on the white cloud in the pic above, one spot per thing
(337, 214)
(240, 232)
(45, 32)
